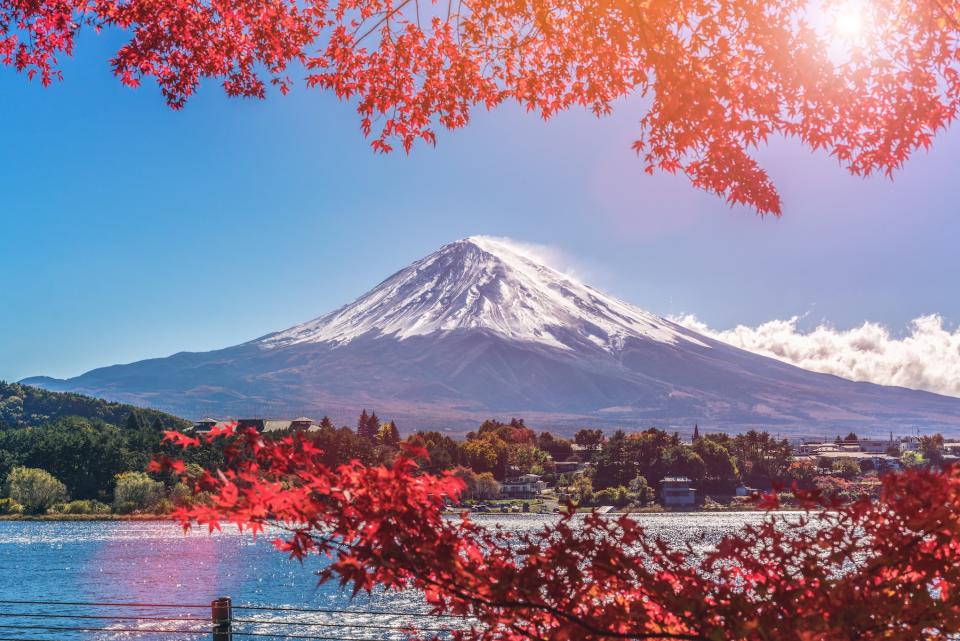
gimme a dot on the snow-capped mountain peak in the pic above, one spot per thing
(488, 284)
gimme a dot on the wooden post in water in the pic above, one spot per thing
(222, 614)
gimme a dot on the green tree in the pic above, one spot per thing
(582, 490)
(683, 461)
(761, 457)
(341, 445)
(487, 486)
(135, 491)
(85, 454)
(590, 439)
(525, 458)
(389, 435)
(931, 447)
(640, 491)
(373, 426)
(443, 451)
(846, 468)
(362, 425)
(718, 462)
(27, 406)
(616, 463)
(912, 458)
(35, 489)
(560, 449)
(143, 440)
(486, 454)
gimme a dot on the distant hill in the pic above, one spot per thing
(28, 406)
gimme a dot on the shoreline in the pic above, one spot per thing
(84, 517)
(168, 518)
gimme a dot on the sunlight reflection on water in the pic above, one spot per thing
(156, 562)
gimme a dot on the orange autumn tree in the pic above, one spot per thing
(887, 569)
(870, 81)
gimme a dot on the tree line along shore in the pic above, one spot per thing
(71, 456)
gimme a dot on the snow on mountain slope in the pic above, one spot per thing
(486, 283)
(482, 329)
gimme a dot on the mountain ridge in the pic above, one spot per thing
(480, 328)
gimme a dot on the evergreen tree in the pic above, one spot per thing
(362, 423)
(326, 423)
(135, 423)
(373, 426)
(696, 432)
(368, 425)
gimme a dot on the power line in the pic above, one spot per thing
(309, 638)
(50, 615)
(373, 626)
(106, 604)
(255, 608)
(332, 611)
(54, 628)
(370, 626)
(57, 628)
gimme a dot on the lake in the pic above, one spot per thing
(155, 562)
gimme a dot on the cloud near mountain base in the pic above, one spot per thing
(927, 358)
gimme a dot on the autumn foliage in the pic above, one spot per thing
(870, 570)
(718, 77)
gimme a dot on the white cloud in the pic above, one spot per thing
(548, 255)
(925, 358)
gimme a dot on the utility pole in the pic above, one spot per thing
(222, 615)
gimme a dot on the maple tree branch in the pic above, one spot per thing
(382, 20)
(949, 17)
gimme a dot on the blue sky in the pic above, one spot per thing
(132, 231)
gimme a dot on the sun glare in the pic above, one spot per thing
(847, 21)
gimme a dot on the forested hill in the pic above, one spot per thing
(26, 406)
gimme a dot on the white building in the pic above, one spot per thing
(525, 486)
(675, 491)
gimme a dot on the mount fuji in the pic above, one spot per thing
(481, 329)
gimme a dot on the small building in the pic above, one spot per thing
(878, 445)
(301, 423)
(525, 486)
(258, 424)
(568, 467)
(205, 424)
(866, 460)
(676, 491)
(276, 424)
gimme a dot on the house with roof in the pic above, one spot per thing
(569, 467)
(205, 424)
(525, 486)
(677, 491)
(260, 424)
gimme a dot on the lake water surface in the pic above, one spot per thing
(155, 562)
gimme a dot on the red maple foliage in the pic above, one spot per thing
(870, 570)
(719, 77)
